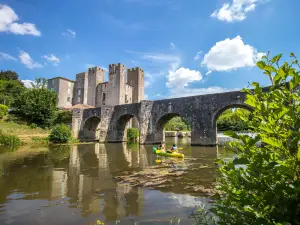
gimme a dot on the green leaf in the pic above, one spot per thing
(231, 134)
(298, 153)
(276, 58)
(240, 161)
(261, 64)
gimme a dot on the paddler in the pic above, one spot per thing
(173, 149)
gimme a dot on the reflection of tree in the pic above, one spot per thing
(134, 201)
(59, 155)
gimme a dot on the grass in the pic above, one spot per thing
(26, 134)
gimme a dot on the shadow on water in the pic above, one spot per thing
(76, 184)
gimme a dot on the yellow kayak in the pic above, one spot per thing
(163, 153)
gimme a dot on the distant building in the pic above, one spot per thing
(64, 89)
(90, 88)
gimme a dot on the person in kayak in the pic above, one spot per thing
(173, 149)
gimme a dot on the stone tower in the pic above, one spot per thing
(95, 76)
(80, 89)
(136, 80)
(117, 84)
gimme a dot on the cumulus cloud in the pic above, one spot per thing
(5, 56)
(69, 33)
(8, 23)
(28, 61)
(231, 54)
(52, 59)
(180, 78)
(235, 11)
(28, 83)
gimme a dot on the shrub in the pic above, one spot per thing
(132, 134)
(9, 140)
(3, 111)
(63, 117)
(262, 184)
(60, 133)
(33, 126)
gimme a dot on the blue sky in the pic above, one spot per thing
(186, 47)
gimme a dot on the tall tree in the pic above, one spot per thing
(8, 75)
(37, 104)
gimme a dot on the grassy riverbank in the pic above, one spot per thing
(26, 134)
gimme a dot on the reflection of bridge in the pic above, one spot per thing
(107, 123)
(89, 180)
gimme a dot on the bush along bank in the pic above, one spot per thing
(10, 141)
(60, 133)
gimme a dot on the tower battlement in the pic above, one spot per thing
(95, 69)
(136, 69)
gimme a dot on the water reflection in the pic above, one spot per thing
(75, 184)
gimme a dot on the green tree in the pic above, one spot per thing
(230, 120)
(8, 75)
(262, 184)
(177, 123)
(132, 134)
(9, 91)
(37, 105)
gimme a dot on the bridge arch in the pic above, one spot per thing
(161, 122)
(90, 130)
(122, 123)
(219, 111)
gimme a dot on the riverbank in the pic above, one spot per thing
(26, 134)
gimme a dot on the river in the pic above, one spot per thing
(76, 184)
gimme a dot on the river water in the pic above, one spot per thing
(76, 184)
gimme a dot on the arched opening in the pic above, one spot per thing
(173, 126)
(90, 130)
(127, 128)
(228, 118)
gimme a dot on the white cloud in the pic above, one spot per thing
(8, 23)
(172, 45)
(180, 78)
(235, 11)
(69, 33)
(28, 61)
(5, 56)
(28, 83)
(52, 58)
(231, 54)
(198, 55)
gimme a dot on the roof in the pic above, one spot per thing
(82, 106)
(78, 106)
(62, 78)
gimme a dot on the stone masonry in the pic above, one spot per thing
(108, 123)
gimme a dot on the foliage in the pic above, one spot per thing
(58, 154)
(37, 105)
(203, 216)
(132, 134)
(9, 140)
(3, 111)
(63, 116)
(10, 90)
(60, 133)
(230, 120)
(33, 126)
(262, 184)
(8, 75)
(177, 123)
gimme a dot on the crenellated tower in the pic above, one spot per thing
(95, 76)
(117, 84)
(136, 80)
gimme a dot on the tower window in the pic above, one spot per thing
(78, 99)
(103, 97)
(68, 99)
(126, 100)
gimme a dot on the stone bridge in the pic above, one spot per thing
(107, 123)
